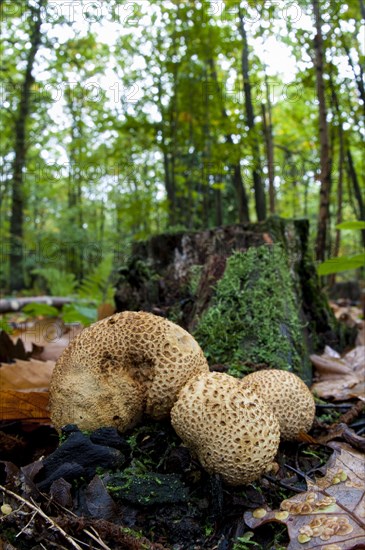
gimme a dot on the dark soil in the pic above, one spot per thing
(141, 489)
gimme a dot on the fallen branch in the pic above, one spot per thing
(39, 511)
(16, 304)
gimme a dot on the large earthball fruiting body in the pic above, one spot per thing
(121, 367)
(229, 428)
(287, 396)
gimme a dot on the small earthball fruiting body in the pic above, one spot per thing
(228, 427)
(289, 398)
(119, 368)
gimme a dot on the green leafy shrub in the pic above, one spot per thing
(59, 283)
(37, 310)
(343, 263)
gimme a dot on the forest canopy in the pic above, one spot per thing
(120, 120)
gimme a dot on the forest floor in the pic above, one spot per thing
(143, 490)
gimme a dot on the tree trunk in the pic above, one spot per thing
(180, 276)
(267, 128)
(341, 164)
(325, 159)
(359, 78)
(237, 181)
(362, 8)
(20, 150)
(260, 200)
(169, 181)
(357, 190)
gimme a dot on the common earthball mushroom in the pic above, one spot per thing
(120, 367)
(289, 398)
(229, 428)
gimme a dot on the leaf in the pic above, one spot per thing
(99, 503)
(16, 405)
(35, 310)
(351, 225)
(77, 313)
(24, 386)
(337, 265)
(26, 375)
(46, 338)
(340, 378)
(330, 515)
(10, 349)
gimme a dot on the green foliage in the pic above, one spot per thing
(98, 286)
(194, 278)
(35, 310)
(59, 283)
(140, 136)
(253, 317)
(245, 542)
(352, 225)
(95, 289)
(4, 326)
(76, 312)
(344, 263)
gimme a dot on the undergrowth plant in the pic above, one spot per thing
(344, 263)
(95, 289)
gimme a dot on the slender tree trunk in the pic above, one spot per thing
(20, 149)
(359, 78)
(75, 254)
(362, 8)
(341, 164)
(175, 210)
(357, 190)
(237, 180)
(269, 140)
(260, 199)
(208, 156)
(167, 161)
(325, 159)
(267, 129)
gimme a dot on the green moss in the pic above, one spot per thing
(254, 317)
(137, 486)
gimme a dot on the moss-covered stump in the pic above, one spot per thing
(254, 317)
(248, 292)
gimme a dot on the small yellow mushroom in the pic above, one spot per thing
(6, 509)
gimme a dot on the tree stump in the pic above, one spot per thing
(249, 293)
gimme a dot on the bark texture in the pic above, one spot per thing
(20, 149)
(176, 275)
(325, 157)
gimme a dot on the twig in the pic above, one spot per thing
(25, 526)
(282, 484)
(334, 405)
(43, 515)
(352, 414)
(298, 472)
(96, 538)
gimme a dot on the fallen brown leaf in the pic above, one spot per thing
(24, 386)
(46, 338)
(23, 376)
(340, 378)
(330, 515)
(16, 405)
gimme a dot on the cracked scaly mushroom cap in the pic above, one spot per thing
(289, 398)
(120, 367)
(228, 427)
